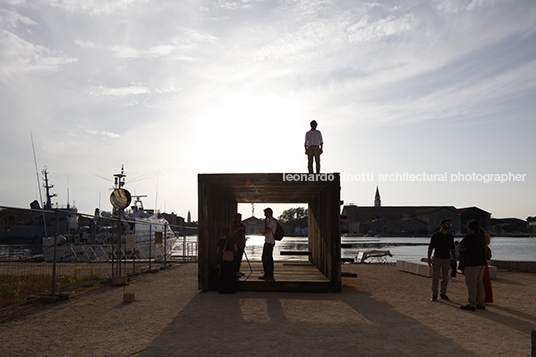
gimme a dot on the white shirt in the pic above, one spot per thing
(313, 138)
(269, 237)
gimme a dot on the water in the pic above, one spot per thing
(523, 249)
(402, 248)
(11, 251)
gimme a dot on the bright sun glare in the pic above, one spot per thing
(242, 126)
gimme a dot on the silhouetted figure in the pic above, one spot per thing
(313, 147)
(270, 225)
(473, 248)
(239, 237)
(442, 244)
(227, 267)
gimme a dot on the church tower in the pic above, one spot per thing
(377, 199)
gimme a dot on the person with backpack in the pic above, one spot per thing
(270, 226)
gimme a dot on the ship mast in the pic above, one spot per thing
(48, 203)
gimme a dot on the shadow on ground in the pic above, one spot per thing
(297, 324)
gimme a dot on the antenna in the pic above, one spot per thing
(156, 199)
(38, 183)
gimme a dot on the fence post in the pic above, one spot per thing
(150, 245)
(53, 290)
(165, 246)
(184, 248)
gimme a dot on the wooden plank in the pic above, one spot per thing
(285, 271)
(288, 276)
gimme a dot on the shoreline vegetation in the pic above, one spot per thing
(379, 312)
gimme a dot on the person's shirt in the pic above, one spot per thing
(457, 251)
(475, 253)
(227, 244)
(442, 245)
(313, 138)
(239, 235)
(269, 237)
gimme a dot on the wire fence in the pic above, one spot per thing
(39, 256)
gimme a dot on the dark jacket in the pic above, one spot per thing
(475, 253)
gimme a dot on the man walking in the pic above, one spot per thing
(442, 244)
(313, 147)
(270, 225)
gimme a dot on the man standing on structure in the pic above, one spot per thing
(313, 147)
(270, 225)
(442, 243)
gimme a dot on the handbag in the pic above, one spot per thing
(227, 256)
(488, 253)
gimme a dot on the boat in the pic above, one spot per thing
(519, 235)
(144, 234)
(30, 226)
(379, 255)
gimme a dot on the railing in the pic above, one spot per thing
(28, 269)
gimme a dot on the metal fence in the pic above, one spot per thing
(31, 266)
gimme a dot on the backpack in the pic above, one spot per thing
(279, 231)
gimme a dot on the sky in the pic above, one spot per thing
(431, 101)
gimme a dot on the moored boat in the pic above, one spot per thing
(134, 233)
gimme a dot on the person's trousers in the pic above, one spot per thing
(441, 268)
(268, 260)
(475, 285)
(238, 257)
(313, 152)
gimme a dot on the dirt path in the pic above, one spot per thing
(382, 312)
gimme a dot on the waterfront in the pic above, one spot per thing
(402, 248)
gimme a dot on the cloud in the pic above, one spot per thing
(18, 55)
(104, 134)
(86, 44)
(95, 7)
(236, 5)
(457, 6)
(135, 89)
(12, 19)
(367, 30)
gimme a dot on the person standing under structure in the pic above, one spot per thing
(239, 237)
(270, 225)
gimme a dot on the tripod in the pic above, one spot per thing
(247, 259)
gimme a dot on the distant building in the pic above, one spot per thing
(179, 225)
(508, 225)
(531, 221)
(408, 220)
(377, 199)
(254, 226)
